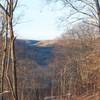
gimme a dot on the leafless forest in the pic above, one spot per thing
(67, 68)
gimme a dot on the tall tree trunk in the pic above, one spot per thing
(12, 40)
(4, 44)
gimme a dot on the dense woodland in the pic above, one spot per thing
(67, 68)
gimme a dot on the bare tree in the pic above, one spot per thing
(86, 10)
(8, 10)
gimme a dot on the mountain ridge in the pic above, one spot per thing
(39, 51)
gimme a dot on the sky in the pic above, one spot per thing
(37, 20)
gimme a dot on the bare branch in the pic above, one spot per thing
(84, 13)
(2, 7)
(16, 2)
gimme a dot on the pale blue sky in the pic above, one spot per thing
(38, 21)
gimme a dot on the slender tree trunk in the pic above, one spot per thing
(12, 39)
(2, 75)
(4, 44)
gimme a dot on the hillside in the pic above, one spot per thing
(39, 51)
(43, 63)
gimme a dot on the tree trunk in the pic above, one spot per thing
(12, 40)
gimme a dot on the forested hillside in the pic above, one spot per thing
(67, 66)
